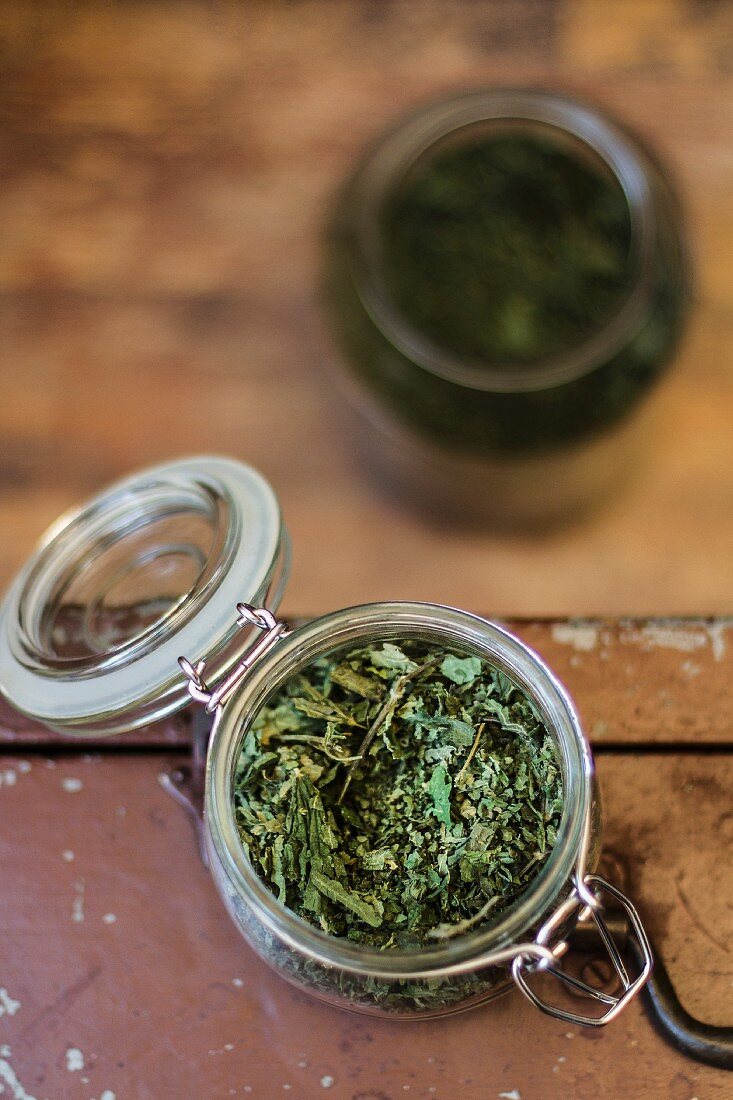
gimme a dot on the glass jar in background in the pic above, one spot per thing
(506, 277)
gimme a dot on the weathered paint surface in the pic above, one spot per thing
(167, 1000)
(136, 943)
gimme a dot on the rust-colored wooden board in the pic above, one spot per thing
(635, 681)
(122, 975)
(166, 172)
(644, 681)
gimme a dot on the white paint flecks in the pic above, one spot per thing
(74, 1059)
(109, 918)
(23, 767)
(685, 637)
(77, 905)
(71, 784)
(7, 1074)
(67, 855)
(8, 1006)
(8, 778)
(717, 640)
(515, 1094)
(668, 637)
(238, 982)
(108, 1095)
(581, 636)
(326, 1081)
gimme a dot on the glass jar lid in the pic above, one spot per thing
(152, 568)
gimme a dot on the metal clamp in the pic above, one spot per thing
(213, 696)
(590, 887)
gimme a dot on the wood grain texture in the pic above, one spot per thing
(166, 169)
(116, 944)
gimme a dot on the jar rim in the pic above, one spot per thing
(396, 150)
(391, 621)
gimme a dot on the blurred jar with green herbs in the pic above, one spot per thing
(507, 279)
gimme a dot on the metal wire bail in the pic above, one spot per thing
(247, 616)
(578, 901)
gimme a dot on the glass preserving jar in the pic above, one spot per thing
(519, 442)
(91, 636)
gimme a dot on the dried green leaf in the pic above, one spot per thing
(392, 659)
(354, 682)
(440, 786)
(369, 913)
(461, 670)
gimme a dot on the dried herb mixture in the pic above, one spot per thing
(508, 249)
(398, 795)
(503, 250)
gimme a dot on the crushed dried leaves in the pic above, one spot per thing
(398, 795)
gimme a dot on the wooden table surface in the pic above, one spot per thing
(165, 171)
(166, 168)
(115, 944)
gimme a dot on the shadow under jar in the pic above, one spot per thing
(91, 635)
(506, 277)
